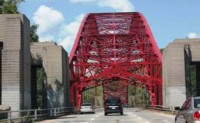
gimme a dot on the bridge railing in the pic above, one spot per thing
(161, 108)
(33, 114)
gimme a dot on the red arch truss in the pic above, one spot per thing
(115, 49)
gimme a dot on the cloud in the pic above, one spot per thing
(118, 5)
(48, 20)
(68, 33)
(81, 1)
(52, 27)
(67, 43)
(193, 35)
(47, 37)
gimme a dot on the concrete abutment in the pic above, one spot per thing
(19, 63)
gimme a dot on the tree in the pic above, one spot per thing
(33, 33)
(1, 5)
(161, 50)
(9, 6)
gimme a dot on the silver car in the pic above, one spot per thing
(87, 108)
(189, 112)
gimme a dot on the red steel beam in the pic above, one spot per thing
(115, 45)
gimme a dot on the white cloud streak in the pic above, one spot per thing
(118, 5)
(192, 35)
(81, 1)
(47, 37)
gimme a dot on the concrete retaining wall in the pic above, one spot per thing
(15, 35)
(54, 60)
(175, 70)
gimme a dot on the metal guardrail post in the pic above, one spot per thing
(35, 114)
(9, 117)
(51, 112)
(28, 113)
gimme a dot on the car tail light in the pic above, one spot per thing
(196, 115)
(106, 106)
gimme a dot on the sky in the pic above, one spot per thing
(59, 20)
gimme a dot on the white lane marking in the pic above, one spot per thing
(134, 115)
(139, 118)
(92, 119)
(97, 116)
(166, 121)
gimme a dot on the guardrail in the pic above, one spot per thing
(33, 114)
(161, 108)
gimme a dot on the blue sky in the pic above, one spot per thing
(59, 20)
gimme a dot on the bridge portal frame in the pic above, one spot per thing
(115, 45)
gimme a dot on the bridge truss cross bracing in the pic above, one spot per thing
(115, 50)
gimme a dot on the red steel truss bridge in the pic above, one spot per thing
(115, 50)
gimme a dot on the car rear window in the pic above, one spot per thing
(197, 103)
(113, 101)
(86, 104)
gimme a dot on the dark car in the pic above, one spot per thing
(113, 105)
(189, 112)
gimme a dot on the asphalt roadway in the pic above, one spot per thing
(131, 115)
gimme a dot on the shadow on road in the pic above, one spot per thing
(67, 117)
(139, 110)
(115, 115)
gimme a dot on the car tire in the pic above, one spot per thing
(121, 113)
(105, 114)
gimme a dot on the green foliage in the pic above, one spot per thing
(161, 50)
(131, 90)
(28, 119)
(1, 2)
(89, 95)
(1, 6)
(39, 87)
(114, 87)
(33, 33)
(193, 80)
(141, 96)
(9, 6)
(99, 91)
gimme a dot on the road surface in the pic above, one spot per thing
(131, 115)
